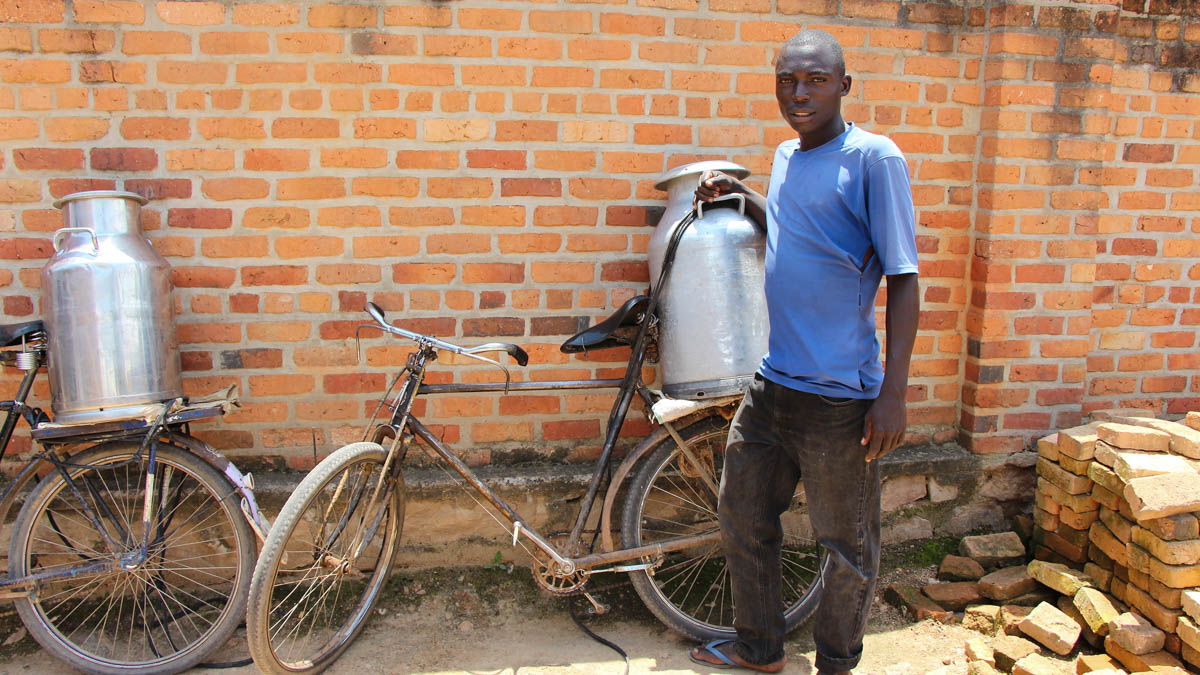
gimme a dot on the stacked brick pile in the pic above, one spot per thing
(1118, 499)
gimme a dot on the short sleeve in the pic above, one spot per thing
(890, 215)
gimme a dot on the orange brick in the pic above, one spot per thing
(224, 189)
(281, 385)
(353, 158)
(530, 48)
(669, 52)
(310, 246)
(29, 71)
(598, 50)
(231, 127)
(560, 22)
(423, 273)
(195, 333)
(455, 244)
(530, 243)
(76, 41)
(705, 29)
(558, 216)
(262, 159)
(267, 73)
(426, 159)
(494, 216)
(458, 45)
(155, 42)
(631, 24)
(348, 274)
(310, 188)
(342, 16)
(385, 187)
(111, 11)
(599, 188)
(494, 432)
(459, 188)
(562, 272)
(376, 127)
(306, 127)
(266, 15)
(493, 273)
(308, 43)
(191, 13)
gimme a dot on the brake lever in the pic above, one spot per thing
(507, 376)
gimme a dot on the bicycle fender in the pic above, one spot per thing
(243, 483)
(648, 444)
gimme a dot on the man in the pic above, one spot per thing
(839, 216)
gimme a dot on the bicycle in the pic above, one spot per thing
(132, 550)
(336, 540)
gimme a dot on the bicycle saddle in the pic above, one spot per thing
(601, 335)
(11, 334)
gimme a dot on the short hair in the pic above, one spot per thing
(820, 40)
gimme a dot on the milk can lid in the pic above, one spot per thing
(97, 194)
(736, 170)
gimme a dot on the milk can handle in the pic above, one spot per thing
(741, 199)
(60, 234)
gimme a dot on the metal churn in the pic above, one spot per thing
(713, 310)
(106, 302)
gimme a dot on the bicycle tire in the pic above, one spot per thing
(179, 604)
(273, 602)
(689, 591)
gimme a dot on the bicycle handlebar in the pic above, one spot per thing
(514, 351)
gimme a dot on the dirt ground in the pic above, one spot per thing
(496, 622)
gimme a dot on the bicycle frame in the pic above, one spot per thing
(568, 563)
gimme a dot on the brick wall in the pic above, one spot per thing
(485, 171)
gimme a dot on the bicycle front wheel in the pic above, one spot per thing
(102, 603)
(690, 590)
(325, 561)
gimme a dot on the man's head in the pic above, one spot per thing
(810, 81)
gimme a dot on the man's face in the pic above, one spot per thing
(809, 88)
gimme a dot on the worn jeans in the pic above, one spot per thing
(780, 436)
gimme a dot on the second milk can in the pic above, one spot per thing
(713, 311)
(106, 299)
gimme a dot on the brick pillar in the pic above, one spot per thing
(1040, 186)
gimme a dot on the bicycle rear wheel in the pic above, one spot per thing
(160, 614)
(690, 591)
(325, 561)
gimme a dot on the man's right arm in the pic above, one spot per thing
(715, 184)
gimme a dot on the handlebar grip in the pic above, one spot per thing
(518, 354)
(376, 313)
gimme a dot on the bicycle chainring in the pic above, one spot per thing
(544, 574)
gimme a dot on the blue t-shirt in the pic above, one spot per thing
(839, 217)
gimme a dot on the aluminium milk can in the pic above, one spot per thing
(712, 313)
(106, 303)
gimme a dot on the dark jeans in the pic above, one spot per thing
(780, 436)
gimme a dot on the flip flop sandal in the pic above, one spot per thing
(725, 662)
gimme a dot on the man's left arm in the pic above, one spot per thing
(887, 418)
(891, 221)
